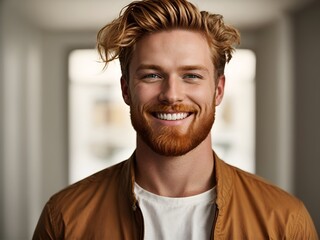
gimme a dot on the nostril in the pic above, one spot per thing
(168, 98)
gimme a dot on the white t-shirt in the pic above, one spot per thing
(176, 218)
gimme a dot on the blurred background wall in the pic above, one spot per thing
(307, 108)
(34, 108)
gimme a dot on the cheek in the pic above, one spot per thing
(141, 95)
(203, 96)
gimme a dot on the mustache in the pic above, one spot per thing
(170, 108)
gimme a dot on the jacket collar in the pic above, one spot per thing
(223, 176)
(128, 179)
(224, 179)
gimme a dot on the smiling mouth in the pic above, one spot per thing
(171, 116)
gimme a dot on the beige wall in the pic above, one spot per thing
(307, 110)
(20, 45)
(288, 99)
(54, 110)
(275, 107)
(1, 124)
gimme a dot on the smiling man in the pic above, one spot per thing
(173, 186)
(171, 91)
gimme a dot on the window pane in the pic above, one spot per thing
(233, 133)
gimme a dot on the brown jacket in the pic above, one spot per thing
(103, 206)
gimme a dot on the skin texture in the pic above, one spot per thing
(171, 72)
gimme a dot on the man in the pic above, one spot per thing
(174, 186)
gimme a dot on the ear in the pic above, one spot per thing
(220, 89)
(125, 90)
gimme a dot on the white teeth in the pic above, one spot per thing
(171, 116)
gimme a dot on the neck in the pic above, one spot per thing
(178, 176)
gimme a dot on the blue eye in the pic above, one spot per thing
(192, 77)
(152, 75)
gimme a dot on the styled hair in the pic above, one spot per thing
(117, 39)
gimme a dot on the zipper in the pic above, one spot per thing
(216, 213)
(139, 218)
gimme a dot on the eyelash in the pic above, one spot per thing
(152, 75)
(192, 76)
(188, 77)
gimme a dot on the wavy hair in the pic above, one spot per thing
(117, 39)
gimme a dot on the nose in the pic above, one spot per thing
(171, 91)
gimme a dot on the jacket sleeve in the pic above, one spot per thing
(49, 225)
(303, 227)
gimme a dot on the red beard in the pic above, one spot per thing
(168, 140)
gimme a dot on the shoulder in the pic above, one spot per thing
(233, 180)
(260, 189)
(80, 204)
(79, 195)
(261, 203)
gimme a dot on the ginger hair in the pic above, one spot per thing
(117, 39)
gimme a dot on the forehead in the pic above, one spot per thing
(175, 46)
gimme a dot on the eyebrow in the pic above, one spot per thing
(194, 67)
(185, 68)
(148, 67)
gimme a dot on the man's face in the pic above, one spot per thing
(171, 91)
